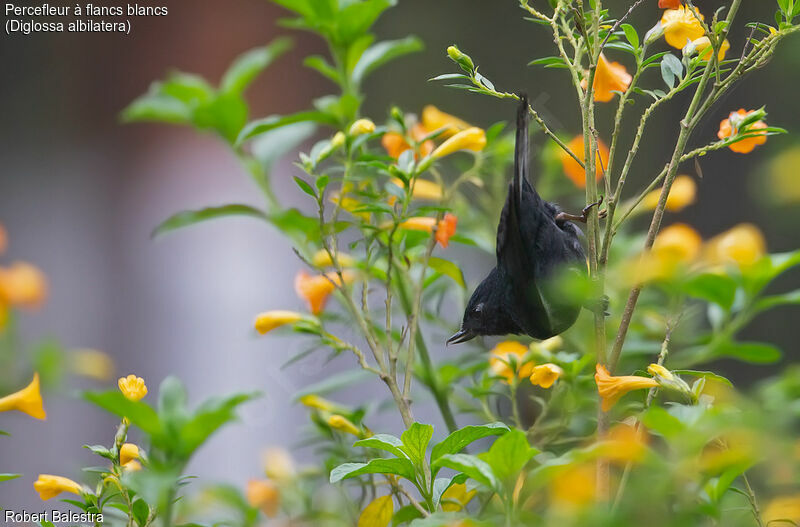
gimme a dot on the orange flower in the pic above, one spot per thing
(681, 26)
(264, 495)
(612, 388)
(669, 4)
(623, 443)
(745, 146)
(610, 77)
(508, 354)
(3, 239)
(571, 167)
(316, 289)
(444, 229)
(395, 143)
(434, 119)
(23, 285)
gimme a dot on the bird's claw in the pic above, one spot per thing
(599, 305)
(584, 216)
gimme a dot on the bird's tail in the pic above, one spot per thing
(521, 148)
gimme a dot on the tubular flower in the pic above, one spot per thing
(470, 139)
(681, 195)
(507, 355)
(728, 129)
(657, 370)
(132, 387)
(612, 388)
(433, 119)
(445, 228)
(132, 466)
(703, 46)
(23, 285)
(678, 242)
(681, 26)
(361, 127)
(395, 143)
(423, 189)
(575, 486)
(28, 400)
(457, 497)
(571, 167)
(263, 494)
(317, 402)
(545, 375)
(128, 452)
(743, 245)
(609, 77)
(269, 320)
(782, 508)
(322, 258)
(316, 289)
(623, 443)
(278, 464)
(669, 4)
(49, 486)
(91, 363)
(343, 424)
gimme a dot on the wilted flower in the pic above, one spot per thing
(49, 486)
(571, 167)
(91, 363)
(703, 46)
(681, 26)
(433, 119)
(317, 288)
(470, 139)
(343, 424)
(612, 388)
(128, 452)
(507, 355)
(362, 126)
(681, 195)
(269, 320)
(22, 285)
(728, 128)
(132, 387)
(610, 77)
(457, 497)
(545, 375)
(743, 245)
(263, 494)
(278, 464)
(28, 400)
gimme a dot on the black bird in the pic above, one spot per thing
(535, 242)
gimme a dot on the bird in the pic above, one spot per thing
(536, 241)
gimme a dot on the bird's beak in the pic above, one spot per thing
(463, 335)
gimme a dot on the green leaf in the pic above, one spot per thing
(785, 299)
(138, 412)
(664, 423)
(8, 477)
(386, 442)
(322, 66)
(192, 217)
(209, 417)
(473, 467)
(247, 66)
(715, 288)
(172, 399)
(378, 513)
(754, 352)
(158, 108)
(270, 146)
(455, 442)
(508, 454)
(705, 375)
(631, 35)
(415, 442)
(305, 187)
(226, 114)
(448, 269)
(140, 511)
(379, 54)
(396, 466)
(336, 382)
(406, 514)
(260, 126)
(356, 19)
(100, 450)
(671, 69)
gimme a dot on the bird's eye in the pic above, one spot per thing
(478, 308)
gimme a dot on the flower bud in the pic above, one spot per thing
(462, 59)
(361, 127)
(655, 33)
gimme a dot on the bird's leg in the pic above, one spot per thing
(598, 305)
(563, 216)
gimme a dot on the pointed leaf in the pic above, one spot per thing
(455, 442)
(396, 466)
(247, 66)
(192, 217)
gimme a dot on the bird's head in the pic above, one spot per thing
(485, 313)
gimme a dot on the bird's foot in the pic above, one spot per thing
(599, 305)
(584, 215)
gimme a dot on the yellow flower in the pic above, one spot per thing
(545, 375)
(743, 245)
(23, 285)
(128, 452)
(316, 289)
(423, 189)
(337, 140)
(457, 497)
(317, 402)
(612, 388)
(728, 129)
(91, 363)
(703, 46)
(681, 26)
(343, 424)
(323, 259)
(681, 195)
(782, 508)
(784, 187)
(551, 344)
(610, 77)
(269, 320)
(350, 205)
(49, 486)
(623, 443)
(433, 119)
(470, 139)
(4, 315)
(506, 355)
(571, 167)
(132, 387)
(657, 370)
(574, 486)
(678, 242)
(28, 400)
(278, 464)
(264, 495)
(132, 466)
(395, 143)
(362, 126)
